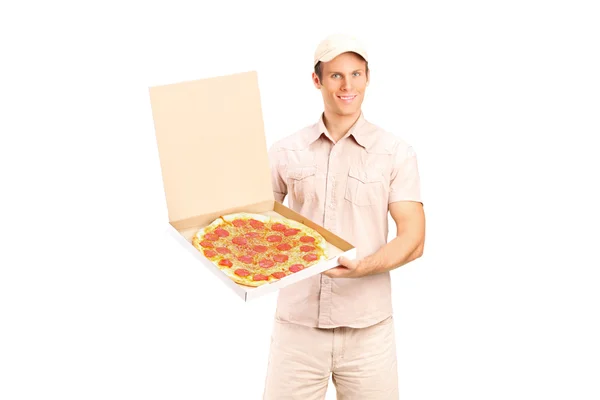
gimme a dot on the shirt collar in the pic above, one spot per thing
(358, 131)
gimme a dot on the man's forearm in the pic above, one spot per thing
(399, 251)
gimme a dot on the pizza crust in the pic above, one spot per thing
(199, 234)
(214, 224)
(322, 244)
(258, 217)
(241, 280)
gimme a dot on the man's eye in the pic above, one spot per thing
(335, 75)
(357, 74)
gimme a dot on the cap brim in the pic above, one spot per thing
(334, 53)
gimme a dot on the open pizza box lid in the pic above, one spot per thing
(214, 161)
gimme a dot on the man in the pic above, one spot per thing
(346, 174)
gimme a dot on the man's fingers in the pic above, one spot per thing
(346, 262)
(343, 261)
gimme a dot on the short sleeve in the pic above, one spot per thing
(405, 184)
(277, 181)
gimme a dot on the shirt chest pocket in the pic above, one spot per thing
(301, 183)
(365, 187)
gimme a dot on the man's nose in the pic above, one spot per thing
(346, 85)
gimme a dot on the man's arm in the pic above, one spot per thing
(407, 246)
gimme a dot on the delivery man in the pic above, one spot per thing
(345, 174)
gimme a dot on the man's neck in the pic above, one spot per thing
(339, 125)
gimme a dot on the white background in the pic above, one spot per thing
(501, 101)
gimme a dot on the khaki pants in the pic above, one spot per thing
(361, 362)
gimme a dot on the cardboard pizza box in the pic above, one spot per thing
(214, 161)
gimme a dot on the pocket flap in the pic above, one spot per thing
(366, 176)
(300, 173)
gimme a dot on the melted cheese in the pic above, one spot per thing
(294, 254)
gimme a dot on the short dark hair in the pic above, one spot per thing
(319, 69)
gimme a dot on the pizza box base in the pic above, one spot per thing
(183, 232)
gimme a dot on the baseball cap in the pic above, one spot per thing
(334, 45)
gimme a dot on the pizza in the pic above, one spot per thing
(253, 249)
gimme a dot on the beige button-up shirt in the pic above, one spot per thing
(345, 187)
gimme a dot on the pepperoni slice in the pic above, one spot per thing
(206, 243)
(223, 250)
(266, 263)
(246, 259)
(280, 257)
(256, 224)
(274, 238)
(252, 234)
(226, 263)
(239, 240)
(210, 253)
(307, 239)
(260, 277)
(296, 267)
(310, 257)
(238, 222)
(278, 275)
(278, 227)
(242, 272)
(220, 232)
(211, 236)
(306, 248)
(260, 248)
(284, 246)
(291, 232)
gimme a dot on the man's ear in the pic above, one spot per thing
(316, 81)
(368, 77)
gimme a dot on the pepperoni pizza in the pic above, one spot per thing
(254, 249)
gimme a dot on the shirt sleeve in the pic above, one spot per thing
(405, 183)
(277, 180)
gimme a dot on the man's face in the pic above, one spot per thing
(344, 83)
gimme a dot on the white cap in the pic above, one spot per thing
(334, 45)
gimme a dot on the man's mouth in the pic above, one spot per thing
(347, 99)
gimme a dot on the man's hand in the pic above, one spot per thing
(404, 248)
(346, 269)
